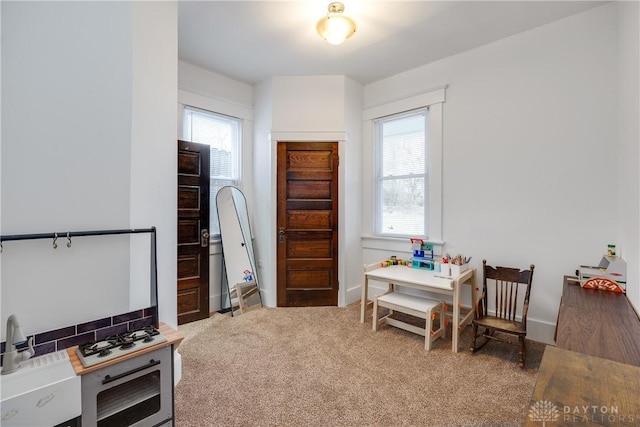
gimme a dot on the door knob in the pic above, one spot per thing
(204, 238)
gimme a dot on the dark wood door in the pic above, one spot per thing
(193, 231)
(307, 229)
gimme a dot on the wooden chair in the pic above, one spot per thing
(509, 289)
(413, 305)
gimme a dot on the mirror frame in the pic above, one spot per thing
(237, 241)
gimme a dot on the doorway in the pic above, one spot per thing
(307, 224)
(193, 231)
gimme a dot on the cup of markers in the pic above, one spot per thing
(454, 266)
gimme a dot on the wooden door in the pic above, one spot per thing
(193, 231)
(307, 224)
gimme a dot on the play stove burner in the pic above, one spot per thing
(127, 345)
(104, 352)
(92, 353)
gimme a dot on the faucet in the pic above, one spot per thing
(15, 336)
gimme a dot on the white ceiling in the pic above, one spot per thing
(250, 41)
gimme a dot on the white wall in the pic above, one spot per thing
(351, 196)
(264, 184)
(530, 151)
(84, 144)
(67, 114)
(154, 177)
(210, 91)
(628, 212)
(308, 104)
(203, 82)
(58, 134)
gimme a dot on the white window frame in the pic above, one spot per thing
(380, 179)
(236, 160)
(433, 100)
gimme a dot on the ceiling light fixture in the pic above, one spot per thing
(336, 27)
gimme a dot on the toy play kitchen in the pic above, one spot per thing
(116, 370)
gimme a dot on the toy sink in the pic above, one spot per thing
(44, 391)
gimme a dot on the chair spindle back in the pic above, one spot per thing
(506, 284)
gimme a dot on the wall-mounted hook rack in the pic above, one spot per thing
(69, 234)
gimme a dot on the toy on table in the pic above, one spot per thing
(610, 274)
(422, 254)
(394, 260)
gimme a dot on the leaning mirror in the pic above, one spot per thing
(242, 286)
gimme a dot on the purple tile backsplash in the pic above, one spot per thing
(128, 316)
(111, 330)
(75, 340)
(56, 334)
(59, 339)
(141, 323)
(92, 326)
(45, 348)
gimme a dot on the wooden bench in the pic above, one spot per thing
(412, 305)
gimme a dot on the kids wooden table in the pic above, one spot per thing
(400, 275)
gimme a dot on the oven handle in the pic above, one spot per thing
(108, 378)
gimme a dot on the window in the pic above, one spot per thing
(401, 174)
(382, 223)
(222, 134)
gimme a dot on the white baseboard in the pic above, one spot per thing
(540, 331)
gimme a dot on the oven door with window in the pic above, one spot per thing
(135, 392)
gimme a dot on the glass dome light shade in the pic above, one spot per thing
(336, 27)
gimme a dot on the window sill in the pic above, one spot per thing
(394, 243)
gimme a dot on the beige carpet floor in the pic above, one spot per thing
(321, 367)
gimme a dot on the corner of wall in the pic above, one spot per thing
(628, 142)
